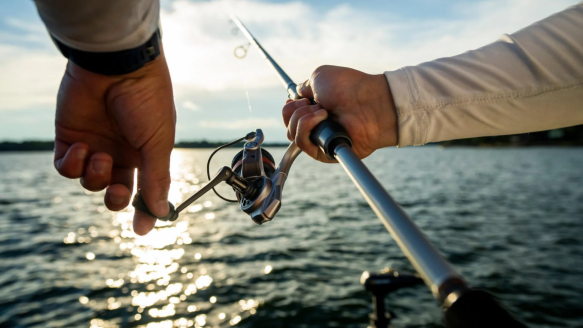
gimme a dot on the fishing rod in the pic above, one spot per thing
(334, 141)
(258, 185)
(445, 283)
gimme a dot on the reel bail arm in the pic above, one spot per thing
(225, 174)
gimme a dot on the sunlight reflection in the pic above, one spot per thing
(195, 208)
(248, 305)
(200, 320)
(235, 320)
(267, 269)
(167, 273)
(203, 282)
(162, 324)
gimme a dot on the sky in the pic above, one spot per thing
(220, 97)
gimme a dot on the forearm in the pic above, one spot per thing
(529, 81)
(100, 25)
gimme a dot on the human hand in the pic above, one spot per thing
(107, 126)
(360, 102)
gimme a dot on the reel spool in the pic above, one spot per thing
(253, 175)
(268, 162)
(268, 167)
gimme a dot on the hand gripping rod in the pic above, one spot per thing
(465, 307)
(335, 142)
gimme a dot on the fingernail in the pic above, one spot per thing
(100, 167)
(305, 101)
(116, 200)
(162, 207)
(320, 112)
(81, 153)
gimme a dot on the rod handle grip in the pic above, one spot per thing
(328, 135)
(141, 206)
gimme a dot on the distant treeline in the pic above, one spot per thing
(27, 145)
(572, 136)
(213, 144)
(49, 145)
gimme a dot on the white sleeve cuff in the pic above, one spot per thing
(100, 26)
(411, 121)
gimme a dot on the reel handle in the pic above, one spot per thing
(141, 206)
(225, 174)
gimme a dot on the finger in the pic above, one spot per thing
(143, 223)
(291, 107)
(304, 89)
(154, 176)
(288, 101)
(70, 160)
(97, 172)
(118, 195)
(305, 125)
(296, 116)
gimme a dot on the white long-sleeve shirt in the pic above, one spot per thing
(100, 25)
(528, 81)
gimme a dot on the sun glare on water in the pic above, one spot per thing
(169, 271)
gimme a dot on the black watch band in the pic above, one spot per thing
(117, 62)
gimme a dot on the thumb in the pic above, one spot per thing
(304, 90)
(154, 177)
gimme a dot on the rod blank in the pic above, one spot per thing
(426, 259)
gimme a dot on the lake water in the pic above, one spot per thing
(509, 220)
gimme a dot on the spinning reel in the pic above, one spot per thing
(257, 182)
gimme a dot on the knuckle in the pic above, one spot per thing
(315, 107)
(320, 69)
(156, 182)
(289, 107)
(304, 121)
(67, 173)
(92, 185)
(302, 144)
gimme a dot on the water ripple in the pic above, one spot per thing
(509, 220)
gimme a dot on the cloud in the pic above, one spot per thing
(200, 41)
(251, 123)
(29, 78)
(190, 105)
(30, 69)
(199, 44)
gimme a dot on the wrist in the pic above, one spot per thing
(150, 68)
(114, 63)
(380, 100)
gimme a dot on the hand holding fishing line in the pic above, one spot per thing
(360, 102)
(107, 126)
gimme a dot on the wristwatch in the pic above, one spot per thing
(116, 62)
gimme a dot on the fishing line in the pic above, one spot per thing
(243, 75)
(240, 52)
